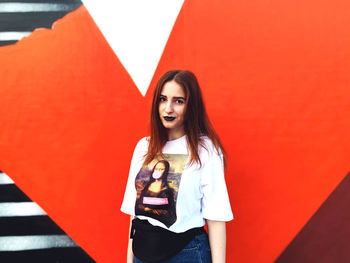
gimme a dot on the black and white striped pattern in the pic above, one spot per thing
(27, 234)
(19, 18)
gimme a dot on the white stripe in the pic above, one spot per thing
(20, 209)
(18, 243)
(4, 179)
(34, 7)
(137, 31)
(5, 36)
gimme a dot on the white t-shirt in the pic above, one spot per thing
(185, 195)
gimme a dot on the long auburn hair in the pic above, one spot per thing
(196, 121)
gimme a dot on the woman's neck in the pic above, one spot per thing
(175, 134)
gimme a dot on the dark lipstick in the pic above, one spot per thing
(167, 118)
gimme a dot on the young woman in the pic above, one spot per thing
(182, 136)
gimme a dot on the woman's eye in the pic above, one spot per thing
(180, 102)
(162, 99)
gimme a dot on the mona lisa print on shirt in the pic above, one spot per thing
(157, 186)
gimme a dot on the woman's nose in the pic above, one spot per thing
(169, 107)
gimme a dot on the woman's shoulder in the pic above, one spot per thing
(143, 142)
(206, 142)
(207, 147)
(142, 146)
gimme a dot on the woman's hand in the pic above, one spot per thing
(217, 240)
(130, 254)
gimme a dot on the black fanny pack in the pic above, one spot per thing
(154, 243)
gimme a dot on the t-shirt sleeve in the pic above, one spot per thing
(128, 205)
(215, 200)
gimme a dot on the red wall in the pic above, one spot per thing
(275, 77)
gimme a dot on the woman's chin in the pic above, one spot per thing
(168, 125)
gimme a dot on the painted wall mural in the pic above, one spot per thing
(19, 18)
(27, 234)
(275, 77)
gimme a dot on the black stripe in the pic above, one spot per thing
(11, 193)
(28, 225)
(52, 255)
(43, 1)
(5, 43)
(29, 21)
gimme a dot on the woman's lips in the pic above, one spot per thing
(167, 118)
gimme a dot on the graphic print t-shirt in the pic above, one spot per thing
(181, 196)
(157, 186)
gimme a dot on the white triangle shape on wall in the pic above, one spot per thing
(137, 31)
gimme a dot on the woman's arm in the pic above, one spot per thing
(217, 240)
(130, 254)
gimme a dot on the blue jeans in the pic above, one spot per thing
(197, 251)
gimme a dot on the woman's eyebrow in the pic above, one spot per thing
(176, 98)
(179, 98)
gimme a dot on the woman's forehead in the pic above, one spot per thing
(173, 89)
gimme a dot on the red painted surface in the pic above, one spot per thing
(275, 76)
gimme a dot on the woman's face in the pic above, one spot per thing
(172, 107)
(158, 171)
